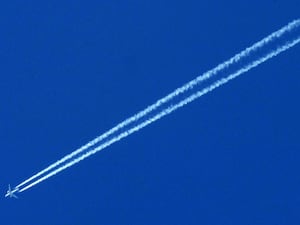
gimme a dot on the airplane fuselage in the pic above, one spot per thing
(11, 193)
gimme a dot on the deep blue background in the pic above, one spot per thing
(70, 70)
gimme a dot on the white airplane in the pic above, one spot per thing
(11, 193)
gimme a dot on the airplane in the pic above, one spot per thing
(11, 193)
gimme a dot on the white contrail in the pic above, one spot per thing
(190, 85)
(168, 110)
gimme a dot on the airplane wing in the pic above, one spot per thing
(13, 195)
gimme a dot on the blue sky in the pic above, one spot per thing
(71, 70)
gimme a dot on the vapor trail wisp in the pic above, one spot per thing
(168, 104)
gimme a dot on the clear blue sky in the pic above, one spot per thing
(70, 70)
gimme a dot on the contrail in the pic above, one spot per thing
(238, 57)
(70, 159)
(235, 59)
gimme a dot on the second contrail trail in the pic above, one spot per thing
(161, 108)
